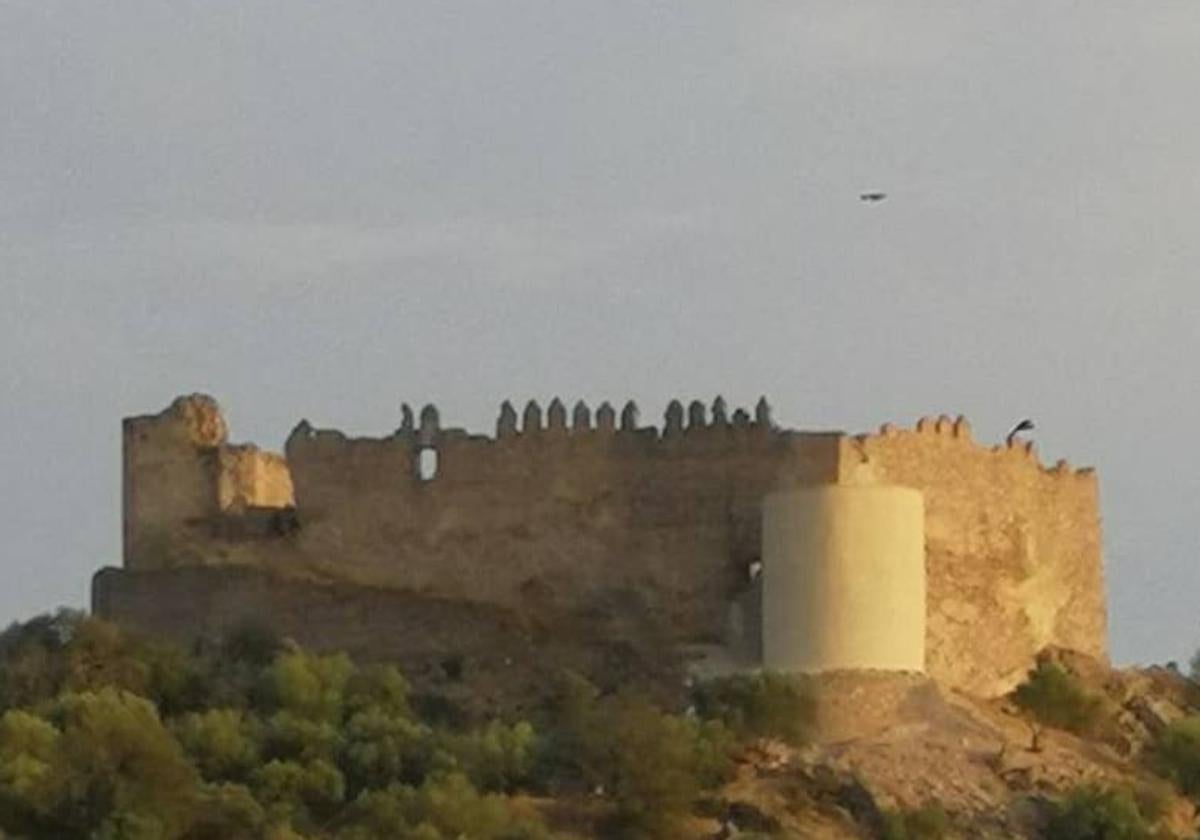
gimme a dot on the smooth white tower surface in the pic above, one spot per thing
(844, 579)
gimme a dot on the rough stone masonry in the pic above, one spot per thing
(581, 517)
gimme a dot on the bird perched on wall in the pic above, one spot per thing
(1025, 425)
(872, 197)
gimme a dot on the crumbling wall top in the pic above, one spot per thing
(957, 431)
(196, 418)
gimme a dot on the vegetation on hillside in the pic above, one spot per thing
(1175, 755)
(1091, 812)
(1054, 697)
(104, 735)
(929, 822)
(110, 736)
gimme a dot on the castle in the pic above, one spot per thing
(909, 549)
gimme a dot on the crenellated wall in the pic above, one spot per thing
(594, 514)
(1013, 553)
(551, 513)
(573, 514)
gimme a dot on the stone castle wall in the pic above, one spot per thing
(180, 476)
(368, 623)
(250, 478)
(1013, 553)
(577, 517)
(599, 516)
(482, 656)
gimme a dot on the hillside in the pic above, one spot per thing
(108, 735)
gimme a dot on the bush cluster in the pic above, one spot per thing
(929, 822)
(104, 735)
(1055, 697)
(109, 737)
(1096, 813)
(762, 705)
(1175, 755)
(650, 764)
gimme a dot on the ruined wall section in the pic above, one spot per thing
(248, 477)
(617, 522)
(1013, 549)
(169, 476)
(180, 476)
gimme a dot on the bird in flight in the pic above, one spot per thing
(1025, 425)
(872, 197)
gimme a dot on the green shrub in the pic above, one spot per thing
(446, 806)
(99, 656)
(32, 664)
(929, 822)
(1094, 813)
(30, 785)
(379, 687)
(51, 631)
(380, 750)
(283, 831)
(762, 705)
(1175, 755)
(103, 765)
(109, 736)
(1153, 799)
(227, 812)
(712, 751)
(68, 651)
(30, 675)
(116, 752)
(570, 733)
(375, 813)
(452, 806)
(496, 758)
(177, 682)
(1055, 698)
(650, 765)
(308, 685)
(298, 793)
(222, 743)
(291, 737)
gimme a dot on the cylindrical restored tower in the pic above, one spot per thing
(844, 579)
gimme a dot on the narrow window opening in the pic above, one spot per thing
(427, 464)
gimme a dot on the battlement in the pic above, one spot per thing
(534, 424)
(958, 429)
(700, 425)
(581, 511)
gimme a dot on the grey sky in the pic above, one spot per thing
(319, 209)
